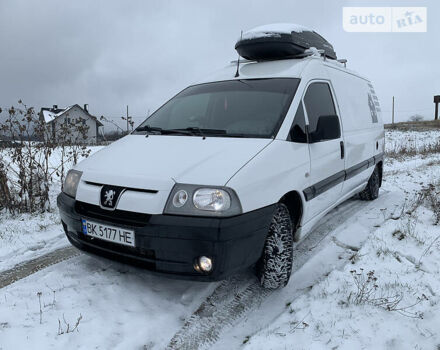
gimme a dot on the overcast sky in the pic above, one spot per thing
(113, 53)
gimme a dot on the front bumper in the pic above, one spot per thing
(170, 244)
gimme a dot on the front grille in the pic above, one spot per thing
(116, 216)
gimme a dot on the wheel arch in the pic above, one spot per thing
(294, 203)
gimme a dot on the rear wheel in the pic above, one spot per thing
(371, 192)
(275, 265)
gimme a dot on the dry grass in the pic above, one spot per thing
(410, 150)
(368, 292)
(415, 126)
(431, 194)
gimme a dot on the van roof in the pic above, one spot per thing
(286, 68)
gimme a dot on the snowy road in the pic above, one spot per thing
(117, 302)
(30, 267)
(122, 307)
(330, 246)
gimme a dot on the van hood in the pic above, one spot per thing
(158, 161)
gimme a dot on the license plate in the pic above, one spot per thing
(108, 233)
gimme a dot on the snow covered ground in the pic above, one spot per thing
(385, 296)
(388, 247)
(28, 236)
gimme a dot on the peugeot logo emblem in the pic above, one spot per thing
(110, 196)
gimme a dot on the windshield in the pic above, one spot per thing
(236, 108)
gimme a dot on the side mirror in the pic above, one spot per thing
(328, 128)
(298, 135)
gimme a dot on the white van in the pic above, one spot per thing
(231, 172)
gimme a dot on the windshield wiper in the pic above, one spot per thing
(161, 131)
(190, 131)
(210, 132)
(235, 134)
(149, 128)
(195, 129)
(204, 132)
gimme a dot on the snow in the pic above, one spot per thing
(396, 139)
(24, 237)
(273, 30)
(121, 307)
(124, 307)
(314, 311)
(313, 51)
(50, 116)
(28, 236)
(326, 318)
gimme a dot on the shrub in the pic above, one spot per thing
(26, 167)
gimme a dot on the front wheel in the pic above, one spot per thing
(275, 265)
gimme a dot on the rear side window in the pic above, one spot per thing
(318, 102)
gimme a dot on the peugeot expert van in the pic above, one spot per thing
(231, 172)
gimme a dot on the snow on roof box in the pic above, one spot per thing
(282, 40)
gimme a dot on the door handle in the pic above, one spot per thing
(342, 150)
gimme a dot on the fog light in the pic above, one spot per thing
(204, 264)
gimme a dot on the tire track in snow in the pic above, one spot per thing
(234, 297)
(27, 268)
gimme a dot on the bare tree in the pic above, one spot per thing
(416, 118)
(27, 165)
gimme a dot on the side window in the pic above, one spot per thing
(298, 130)
(321, 112)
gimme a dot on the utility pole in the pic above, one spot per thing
(393, 113)
(127, 121)
(436, 101)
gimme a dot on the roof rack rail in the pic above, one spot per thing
(308, 52)
(242, 60)
(343, 61)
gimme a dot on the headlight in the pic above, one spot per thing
(180, 198)
(198, 200)
(213, 199)
(71, 182)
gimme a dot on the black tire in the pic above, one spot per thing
(275, 265)
(371, 192)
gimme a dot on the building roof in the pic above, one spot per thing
(50, 114)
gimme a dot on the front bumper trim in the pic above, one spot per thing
(169, 244)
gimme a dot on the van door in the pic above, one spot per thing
(326, 147)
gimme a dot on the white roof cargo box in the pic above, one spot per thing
(282, 40)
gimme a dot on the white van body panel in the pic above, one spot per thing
(260, 171)
(258, 70)
(279, 168)
(130, 200)
(158, 162)
(307, 227)
(155, 162)
(363, 138)
(272, 167)
(325, 157)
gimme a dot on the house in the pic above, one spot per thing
(72, 124)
